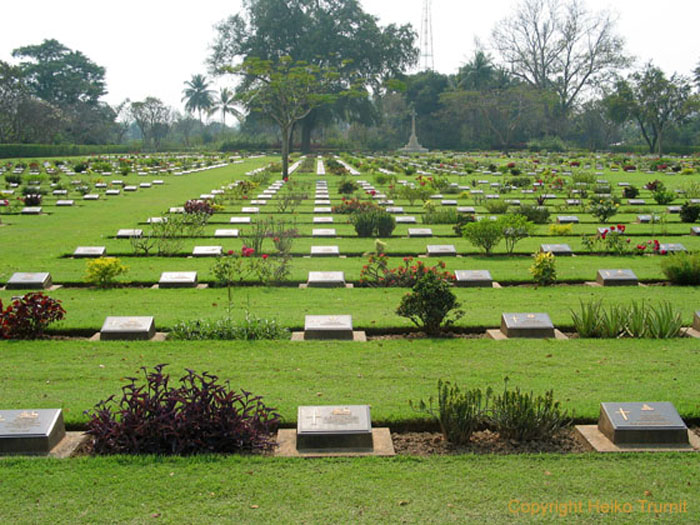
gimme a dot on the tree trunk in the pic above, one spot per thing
(286, 138)
(307, 126)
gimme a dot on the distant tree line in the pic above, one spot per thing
(554, 75)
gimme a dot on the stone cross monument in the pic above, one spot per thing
(413, 145)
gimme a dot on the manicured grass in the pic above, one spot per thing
(385, 374)
(370, 308)
(461, 489)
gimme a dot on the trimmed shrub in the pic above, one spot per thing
(200, 416)
(103, 271)
(690, 212)
(429, 304)
(484, 234)
(536, 214)
(682, 268)
(370, 223)
(28, 317)
(251, 328)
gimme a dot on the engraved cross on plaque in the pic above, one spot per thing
(623, 413)
(314, 417)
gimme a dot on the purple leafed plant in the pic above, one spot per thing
(200, 416)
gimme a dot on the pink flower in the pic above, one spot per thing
(264, 256)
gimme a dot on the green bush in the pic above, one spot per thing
(251, 328)
(535, 214)
(373, 222)
(638, 320)
(429, 304)
(459, 413)
(604, 208)
(515, 228)
(346, 187)
(103, 271)
(444, 215)
(690, 212)
(661, 195)
(484, 234)
(543, 269)
(496, 206)
(682, 268)
(524, 417)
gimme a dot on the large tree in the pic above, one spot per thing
(197, 95)
(325, 33)
(153, 119)
(560, 47)
(225, 103)
(60, 75)
(287, 91)
(654, 101)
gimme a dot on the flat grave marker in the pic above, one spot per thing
(117, 328)
(326, 280)
(65, 202)
(528, 325)
(207, 251)
(473, 278)
(325, 251)
(672, 248)
(556, 249)
(29, 281)
(31, 432)
(239, 220)
(420, 232)
(178, 280)
(334, 428)
(567, 219)
(323, 232)
(328, 327)
(623, 277)
(406, 219)
(440, 249)
(129, 233)
(226, 233)
(89, 251)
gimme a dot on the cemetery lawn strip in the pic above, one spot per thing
(75, 375)
(87, 308)
(462, 489)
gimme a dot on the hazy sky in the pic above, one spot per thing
(151, 47)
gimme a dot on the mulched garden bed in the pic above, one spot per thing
(483, 442)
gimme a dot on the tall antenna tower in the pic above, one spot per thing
(427, 59)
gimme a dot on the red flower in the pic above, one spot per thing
(663, 252)
(230, 252)
(264, 256)
(612, 228)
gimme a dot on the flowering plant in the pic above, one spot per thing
(376, 273)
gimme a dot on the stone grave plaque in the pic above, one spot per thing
(394, 209)
(636, 202)
(533, 325)
(206, 251)
(323, 232)
(567, 219)
(325, 251)
(672, 247)
(420, 232)
(145, 185)
(326, 280)
(642, 423)
(33, 432)
(178, 280)
(556, 249)
(177, 209)
(695, 230)
(156, 220)
(616, 278)
(323, 220)
(322, 202)
(646, 219)
(448, 202)
(250, 209)
(225, 233)
(473, 278)
(239, 220)
(128, 233)
(89, 251)
(113, 193)
(29, 281)
(328, 327)
(406, 219)
(91, 197)
(466, 209)
(323, 209)
(441, 249)
(259, 202)
(65, 202)
(127, 329)
(101, 185)
(31, 210)
(334, 428)
(130, 188)
(673, 209)
(60, 192)
(158, 182)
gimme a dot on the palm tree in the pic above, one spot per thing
(225, 103)
(198, 98)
